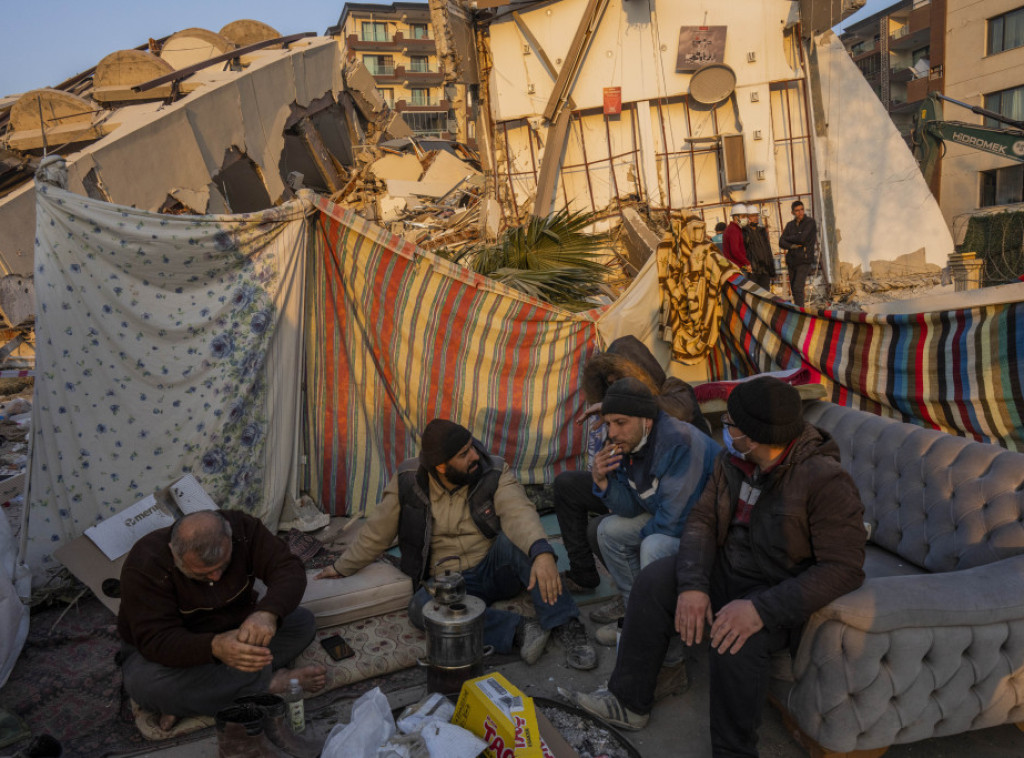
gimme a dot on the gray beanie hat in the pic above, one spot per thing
(630, 397)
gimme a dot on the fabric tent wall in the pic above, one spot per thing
(959, 370)
(165, 345)
(398, 337)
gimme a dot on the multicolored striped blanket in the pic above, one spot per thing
(959, 371)
(397, 337)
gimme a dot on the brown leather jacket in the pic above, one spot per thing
(806, 531)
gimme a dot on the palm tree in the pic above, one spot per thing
(550, 258)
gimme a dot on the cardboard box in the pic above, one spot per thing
(492, 708)
(96, 557)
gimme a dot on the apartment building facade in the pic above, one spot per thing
(397, 45)
(985, 66)
(901, 51)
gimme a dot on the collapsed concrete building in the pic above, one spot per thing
(658, 108)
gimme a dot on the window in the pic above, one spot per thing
(419, 31)
(426, 123)
(868, 66)
(418, 64)
(419, 96)
(922, 53)
(388, 93)
(1002, 186)
(1008, 102)
(374, 31)
(1006, 32)
(380, 65)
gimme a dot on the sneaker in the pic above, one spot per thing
(605, 705)
(608, 634)
(672, 680)
(579, 653)
(609, 612)
(531, 639)
(579, 587)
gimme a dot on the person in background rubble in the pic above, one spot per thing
(759, 249)
(647, 476)
(716, 238)
(732, 239)
(799, 240)
(457, 499)
(777, 534)
(196, 636)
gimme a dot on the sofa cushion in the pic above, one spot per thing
(879, 563)
(941, 502)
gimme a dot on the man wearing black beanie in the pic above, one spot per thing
(457, 499)
(647, 477)
(777, 534)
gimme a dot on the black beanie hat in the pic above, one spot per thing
(442, 439)
(767, 410)
(630, 397)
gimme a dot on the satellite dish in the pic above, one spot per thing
(712, 83)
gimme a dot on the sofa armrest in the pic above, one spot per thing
(981, 595)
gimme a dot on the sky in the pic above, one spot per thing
(48, 41)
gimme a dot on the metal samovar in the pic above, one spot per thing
(454, 623)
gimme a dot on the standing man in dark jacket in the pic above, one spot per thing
(799, 239)
(777, 534)
(196, 635)
(759, 249)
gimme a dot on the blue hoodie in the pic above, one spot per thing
(664, 478)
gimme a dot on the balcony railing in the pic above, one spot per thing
(397, 43)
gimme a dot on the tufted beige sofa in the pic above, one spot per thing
(933, 643)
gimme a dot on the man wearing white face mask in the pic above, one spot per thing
(777, 534)
(649, 474)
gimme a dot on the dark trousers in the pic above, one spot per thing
(739, 683)
(211, 687)
(502, 574)
(575, 501)
(798, 273)
(762, 280)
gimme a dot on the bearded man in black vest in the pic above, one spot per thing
(457, 499)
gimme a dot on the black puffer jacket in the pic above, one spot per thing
(806, 531)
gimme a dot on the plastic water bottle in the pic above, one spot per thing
(296, 708)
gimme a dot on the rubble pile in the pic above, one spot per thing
(431, 197)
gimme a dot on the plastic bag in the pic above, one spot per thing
(370, 726)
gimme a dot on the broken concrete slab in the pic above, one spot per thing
(396, 128)
(18, 299)
(406, 188)
(640, 240)
(445, 167)
(361, 85)
(397, 167)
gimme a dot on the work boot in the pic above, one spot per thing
(579, 653)
(580, 585)
(240, 734)
(605, 705)
(609, 612)
(531, 639)
(672, 680)
(277, 726)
